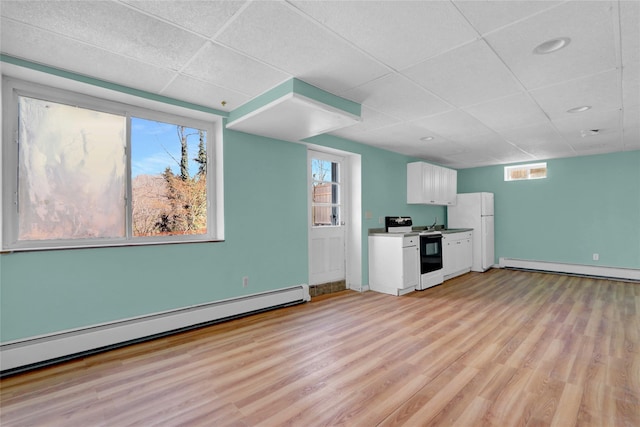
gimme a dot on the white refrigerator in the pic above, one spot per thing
(475, 210)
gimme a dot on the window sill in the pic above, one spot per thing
(104, 245)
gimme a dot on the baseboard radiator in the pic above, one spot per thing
(25, 354)
(630, 274)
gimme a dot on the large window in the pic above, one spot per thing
(79, 171)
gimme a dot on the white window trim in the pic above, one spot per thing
(334, 158)
(528, 167)
(58, 89)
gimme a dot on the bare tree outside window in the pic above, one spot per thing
(171, 201)
(325, 191)
(89, 172)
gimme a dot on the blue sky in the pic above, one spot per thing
(153, 144)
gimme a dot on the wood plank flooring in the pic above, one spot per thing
(502, 348)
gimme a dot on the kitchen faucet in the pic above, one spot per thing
(433, 226)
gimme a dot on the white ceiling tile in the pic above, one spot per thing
(631, 116)
(600, 91)
(548, 150)
(63, 53)
(532, 135)
(272, 32)
(630, 94)
(110, 26)
(454, 125)
(541, 140)
(461, 90)
(203, 93)
(589, 24)
(483, 141)
(370, 120)
(486, 16)
(509, 112)
(398, 97)
(441, 147)
(224, 67)
(436, 154)
(397, 134)
(442, 161)
(630, 38)
(507, 153)
(572, 127)
(200, 16)
(605, 143)
(428, 28)
(470, 159)
(468, 75)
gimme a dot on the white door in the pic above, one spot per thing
(327, 188)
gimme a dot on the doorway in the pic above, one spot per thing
(328, 190)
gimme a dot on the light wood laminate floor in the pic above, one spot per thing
(503, 348)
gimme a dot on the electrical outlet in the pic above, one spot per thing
(381, 220)
(596, 257)
(245, 281)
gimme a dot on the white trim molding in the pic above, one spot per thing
(41, 350)
(579, 269)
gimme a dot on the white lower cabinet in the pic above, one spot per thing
(457, 253)
(394, 263)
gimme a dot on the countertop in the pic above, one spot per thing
(415, 231)
(455, 230)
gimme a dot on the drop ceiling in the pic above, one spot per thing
(461, 72)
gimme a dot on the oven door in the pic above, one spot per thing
(430, 253)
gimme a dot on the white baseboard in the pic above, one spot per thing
(583, 270)
(40, 349)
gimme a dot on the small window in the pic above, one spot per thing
(91, 172)
(326, 192)
(521, 172)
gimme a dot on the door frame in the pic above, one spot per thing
(352, 173)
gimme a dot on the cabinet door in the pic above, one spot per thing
(459, 254)
(410, 266)
(440, 180)
(466, 253)
(445, 183)
(452, 187)
(429, 183)
(448, 255)
(415, 185)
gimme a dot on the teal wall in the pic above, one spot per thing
(265, 231)
(384, 189)
(265, 239)
(586, 205)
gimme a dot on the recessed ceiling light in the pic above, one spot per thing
(552, 45)
(426, 138)
(579, 109)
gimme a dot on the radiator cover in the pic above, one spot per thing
(20, 355)
(579, 269)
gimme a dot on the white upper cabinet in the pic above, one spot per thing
(430, 184)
